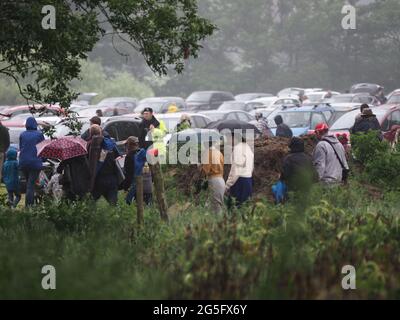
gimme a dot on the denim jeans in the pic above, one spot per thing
(131, 194)
(31, 176)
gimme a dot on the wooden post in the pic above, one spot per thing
(139, 199)
(159, 190)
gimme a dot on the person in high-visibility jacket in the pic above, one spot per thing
(158, 135)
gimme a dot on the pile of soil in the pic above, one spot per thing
(268, 158)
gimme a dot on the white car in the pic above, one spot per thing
(273, 102)
(319, 96)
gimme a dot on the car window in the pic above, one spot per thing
(198, 122)
(243, 117)
(394, 119)
(112, 130)
(317, 118)
(127, 129)
(328, 115)
(232, 116)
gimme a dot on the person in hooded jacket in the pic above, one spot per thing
(282, 129)
(329, 157)
(29, 162)
(367, 122)
(11, 177)
(103, 169)
(298, 171)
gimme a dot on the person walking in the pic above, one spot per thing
(11, 178)
(213, 168)
(103, 169)
(29, 163)
(4, 145)
(329, 157)
(239, 185)
(282, 130)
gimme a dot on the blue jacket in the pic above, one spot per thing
(140, 160)
(10, 171)
(28, 140)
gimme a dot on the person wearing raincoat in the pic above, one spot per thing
(29, 162)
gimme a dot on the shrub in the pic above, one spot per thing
(367, 146)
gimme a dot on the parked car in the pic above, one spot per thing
(319, 96)
(302, 120)
(272, 102)
(161, 104)
(370, 88)
(106, 111)
(246, 97)
(394, 97)
(123, 102)
(207, 100)
(353, 98)
(122, 128)
(234, 105)
(39, 110)
(84, 99)
(291, 92)
(387, 115)
(232, 115)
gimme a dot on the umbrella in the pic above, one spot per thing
(62, 148)
(232, 125)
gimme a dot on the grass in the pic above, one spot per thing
(261, 251)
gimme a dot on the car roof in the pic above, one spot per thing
(118, 98)
(317, 108)
(150, 99)
(211, 91)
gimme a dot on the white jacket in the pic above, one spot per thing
(242, 164)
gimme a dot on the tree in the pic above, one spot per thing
(164, 32)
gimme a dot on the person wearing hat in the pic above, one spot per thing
(135, 161)
(366, 122)
(148, 123)
(329, 157)
(184, 123)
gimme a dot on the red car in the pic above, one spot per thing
(52, 110)
(388, 116)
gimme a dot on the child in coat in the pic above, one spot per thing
(11, 177)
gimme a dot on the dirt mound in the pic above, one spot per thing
(268, 157)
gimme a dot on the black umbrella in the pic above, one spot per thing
(232, 125)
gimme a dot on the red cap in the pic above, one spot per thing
(321, 127)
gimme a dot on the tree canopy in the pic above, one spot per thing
(165, 33)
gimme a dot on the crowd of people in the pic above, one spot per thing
(99, 174)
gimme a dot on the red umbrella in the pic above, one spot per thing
(62, 148)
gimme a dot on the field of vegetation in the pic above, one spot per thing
(263, 251)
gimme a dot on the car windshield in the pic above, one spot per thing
(199, 97)
(171, 123)
(347, 121)
(315, 97)
(394, 99)
(155, 105)
(62, 130)
(232, 106)
(341, 99)
(296, 119)
(215, 116)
